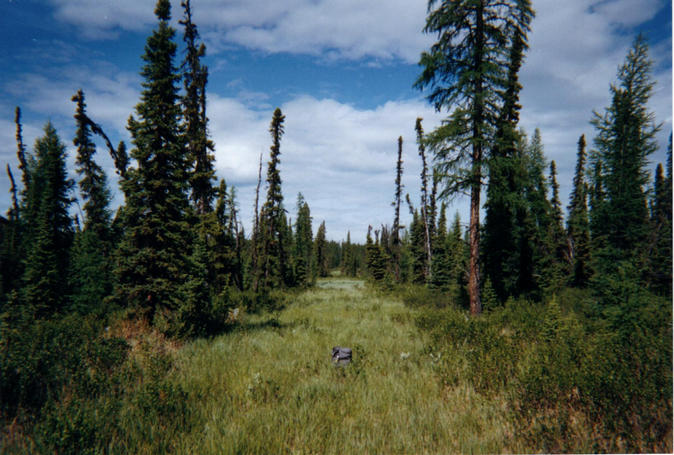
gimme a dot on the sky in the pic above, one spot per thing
(342, 71)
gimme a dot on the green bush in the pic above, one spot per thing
(416, 296)
(582, 373)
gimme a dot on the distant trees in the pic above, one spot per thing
(464, 70)
(304, 263)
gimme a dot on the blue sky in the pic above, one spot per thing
(342, 72)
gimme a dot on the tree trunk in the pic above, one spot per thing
(476, 185)
(474, 271)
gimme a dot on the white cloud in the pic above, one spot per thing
(341, 158)
(351, 29)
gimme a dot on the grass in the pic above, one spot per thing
(270, 387)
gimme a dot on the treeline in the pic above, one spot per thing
(619, 219)
(577, 332)
(173, 257)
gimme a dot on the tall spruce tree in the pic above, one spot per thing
(626, 136)
(153, 255)
(536, 255)
(427, 217)
(199, 146)
(93, 182)
(45, 277)
(558, 269)
(505, 190)
(90, 274)
(274, 257)
(395, 235)
(578, 224)
(465, 70)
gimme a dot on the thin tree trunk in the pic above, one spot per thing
(254, 258)
(474, 270)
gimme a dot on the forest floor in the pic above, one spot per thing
(270, 387)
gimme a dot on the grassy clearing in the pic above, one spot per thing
(270, 387)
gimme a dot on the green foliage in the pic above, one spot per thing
(50, 228)
(578, 224)
(659, 246)
(153, 253)
(90, 274)
(304, 259)
(320, 252)
(505, 204)
(275, 268)
(93, 183)
(625, 138)
(579, 376)
(489, 298)
(375, 262)
(200, 147)
(45, 359)
(466, 70)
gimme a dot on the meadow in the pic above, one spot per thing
(269, 386)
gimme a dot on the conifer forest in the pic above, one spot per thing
(143, 311)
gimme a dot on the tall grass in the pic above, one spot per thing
(270, 386)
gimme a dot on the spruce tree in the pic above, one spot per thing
(626, 136)
(45, 277)
(274, 258)
(505, 202)
(90, 273)
(425, 208)
(199, 146)
(458, 255)
(578, 227)
(224, 265)
(558, 269)
(396, 218)
(417, 249)
(304, 264)
(465, 70)
(660, 246)
(441, 261)
(374, 261)
(153, 255)
(93, 182)
(536, 254)
(320, 252)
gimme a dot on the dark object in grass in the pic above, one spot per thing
(341, 356)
